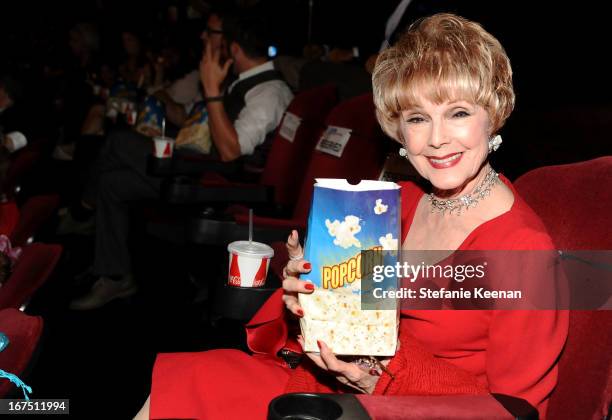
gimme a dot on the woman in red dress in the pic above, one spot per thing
(443, 91)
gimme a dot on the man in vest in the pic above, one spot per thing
(240, 120)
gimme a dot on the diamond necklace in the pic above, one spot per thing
(464, 202)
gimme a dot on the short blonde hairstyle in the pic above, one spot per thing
(444, 57)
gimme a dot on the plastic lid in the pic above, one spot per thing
(251, 249)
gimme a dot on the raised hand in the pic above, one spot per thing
(212, 72)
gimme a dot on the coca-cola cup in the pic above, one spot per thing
(248, 263)
(163, 147)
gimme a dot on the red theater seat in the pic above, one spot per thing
(575, 203)
(34, 266)
(24, 332)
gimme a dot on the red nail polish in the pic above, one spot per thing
(300, 312)
(319, 344)
(374, 372)
(309, 286)
(307, 266)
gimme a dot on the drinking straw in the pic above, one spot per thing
(250, 226)
(164, 127)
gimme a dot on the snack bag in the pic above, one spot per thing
(150, 117)
(120, 96)
(195, 134)
(344, 220)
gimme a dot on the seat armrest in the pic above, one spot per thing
(459, 407)
(240, 303)
(304, 405)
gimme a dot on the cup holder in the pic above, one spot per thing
(300, 406)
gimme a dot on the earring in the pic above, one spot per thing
(494, 143)
(402, 152)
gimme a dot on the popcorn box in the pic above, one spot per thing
(344, 220)
(149, 121)
(195, 133)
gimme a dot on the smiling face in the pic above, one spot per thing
(447, 143)
(442, 89)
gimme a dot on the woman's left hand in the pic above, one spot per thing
(349, 374)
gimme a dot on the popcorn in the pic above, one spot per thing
(345, 232)
(344, 220)
(380, 208)
(388, 242)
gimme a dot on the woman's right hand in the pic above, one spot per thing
(296, 266)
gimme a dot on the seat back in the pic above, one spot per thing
(575, 203)
(34, 266)
(362, 157)
(288, 158)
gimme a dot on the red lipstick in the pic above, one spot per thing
(443, 162)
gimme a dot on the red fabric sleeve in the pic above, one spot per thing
(267, 331)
